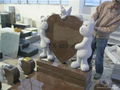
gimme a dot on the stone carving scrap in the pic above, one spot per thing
(84, 50)
(44, 42)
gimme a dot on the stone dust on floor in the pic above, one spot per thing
(108, 67)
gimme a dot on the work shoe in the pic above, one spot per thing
(97, 76)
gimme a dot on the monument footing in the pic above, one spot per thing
(64, 72)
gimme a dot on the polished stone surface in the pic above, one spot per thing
(64, 34)
(62, 71)
(12, 74)
(108, 67)
(28, 66)
(41, 81)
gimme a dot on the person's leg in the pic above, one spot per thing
(93, 46)
(100, 47)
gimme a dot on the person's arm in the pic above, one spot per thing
(95, 16)
(109, 29)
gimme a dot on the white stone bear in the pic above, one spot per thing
(44, 42)
(84, 50)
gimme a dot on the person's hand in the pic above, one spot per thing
(96, 28)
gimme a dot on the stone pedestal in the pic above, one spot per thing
(0, 85)
(42, 81)
(75, 76)
(12, 74)
(1, 56)
(28, 66)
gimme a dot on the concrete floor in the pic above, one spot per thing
(108, 67)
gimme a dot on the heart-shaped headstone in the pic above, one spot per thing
(64, 34)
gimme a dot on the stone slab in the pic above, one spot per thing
(116, 73)
(42, 81)
(64, 72)
(28, 67)
(28, 52)
(12, 74)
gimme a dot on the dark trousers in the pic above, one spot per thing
(98, 46)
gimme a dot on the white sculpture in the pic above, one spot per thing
(65, 13)
(44, 42)
(84, 50)
(2, 72)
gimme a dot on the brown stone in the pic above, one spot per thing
(28, 66)
(0, 85)
(12, 74)
(101, 87)
(66, 73)
(42, 81)
(64, 34)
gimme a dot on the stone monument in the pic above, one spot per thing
(63, 35)
(84, 49)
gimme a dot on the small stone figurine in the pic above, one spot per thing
(2, 73)
(65, 13)
(84, 50)
(44, 42)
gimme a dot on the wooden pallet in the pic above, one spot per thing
(75, 76)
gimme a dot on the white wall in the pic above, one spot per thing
(34, 11)
(1, 7)
(75, 6)
(86, 11)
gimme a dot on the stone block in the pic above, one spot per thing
(66, 73)
(28, 66)
(12, 74)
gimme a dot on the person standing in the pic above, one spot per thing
(107, 18)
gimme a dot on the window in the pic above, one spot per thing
(43, 1)
(94, 2)
(54, 1)
(105, 0)
(64, 2)
(6, 1)
(1, 1)
(32, 1)
(23, 1)
(14, 1)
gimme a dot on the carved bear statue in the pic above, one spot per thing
(44, 42)
(84, 50)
